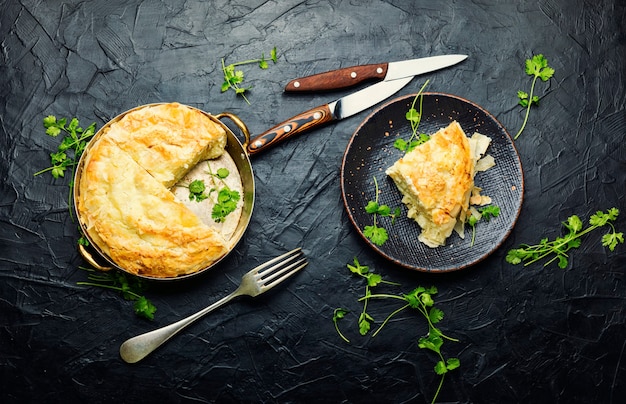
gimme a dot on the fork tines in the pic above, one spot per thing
(288, 264)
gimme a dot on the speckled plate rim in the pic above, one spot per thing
(431, 121)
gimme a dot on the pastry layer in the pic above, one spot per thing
(129, 212)
(168, 140)
(436, 180)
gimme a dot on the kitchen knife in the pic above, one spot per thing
(351, 76)
(334, 111)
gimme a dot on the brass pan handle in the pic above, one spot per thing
(90, 260)
(240, 124)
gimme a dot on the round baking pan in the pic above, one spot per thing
(371, 151)
(237, 153)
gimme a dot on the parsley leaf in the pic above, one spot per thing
(226, 203)
(196, 191)
(376, 234)
(234, 77)
(364, 323)
(489, 211)
(339, 314)
(226, 200)
(536, 67)
(69, 150)
(414, 117)
(420, 299)
(129, 286)
(485, 212)
(558, 248)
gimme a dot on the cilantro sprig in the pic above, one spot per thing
(233, 77)
(69, 150)
(338, 314)
(377, 234)
(227, 198)
(559, 247)
(196, 191)
(72, 146)
(536, 67)
(420, 299)
(414, 116)
(372, 279)
(486, 213)
(130, 287)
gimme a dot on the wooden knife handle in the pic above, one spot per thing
(338, 79)
(300, 123)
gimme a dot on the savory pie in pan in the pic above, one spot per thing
(124, 201)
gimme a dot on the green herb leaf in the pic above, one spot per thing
(49, 121)
(612, 239)
(131, 288)
(378, 235)
(435, 315)
(374, 279)
(222, 173)
(420, 299)
(371, 207)
(432, 342)
(234, 77)
(538, 68)
(144, 308)
(383, 210)
(490, 211)
(574, 224)
(196, 191)
(53, 131)
(414, 116)
(226, 203)
(357, 268)
(557, 250)
(365, 323)
(440, 368)
(453, 363)
(263, 63)
(339, 314)
(486, 212)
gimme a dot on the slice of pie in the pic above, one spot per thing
(168, 140)
(436, 180)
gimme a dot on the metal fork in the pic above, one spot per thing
(253, 283)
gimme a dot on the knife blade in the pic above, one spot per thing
(341, 108)
(353, 75)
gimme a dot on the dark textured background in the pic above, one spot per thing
(529, 334)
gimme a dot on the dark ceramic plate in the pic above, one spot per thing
(371, 151)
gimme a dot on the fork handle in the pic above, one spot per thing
(136, 348)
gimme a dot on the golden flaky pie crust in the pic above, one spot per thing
(436, 179)
(124, 201)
